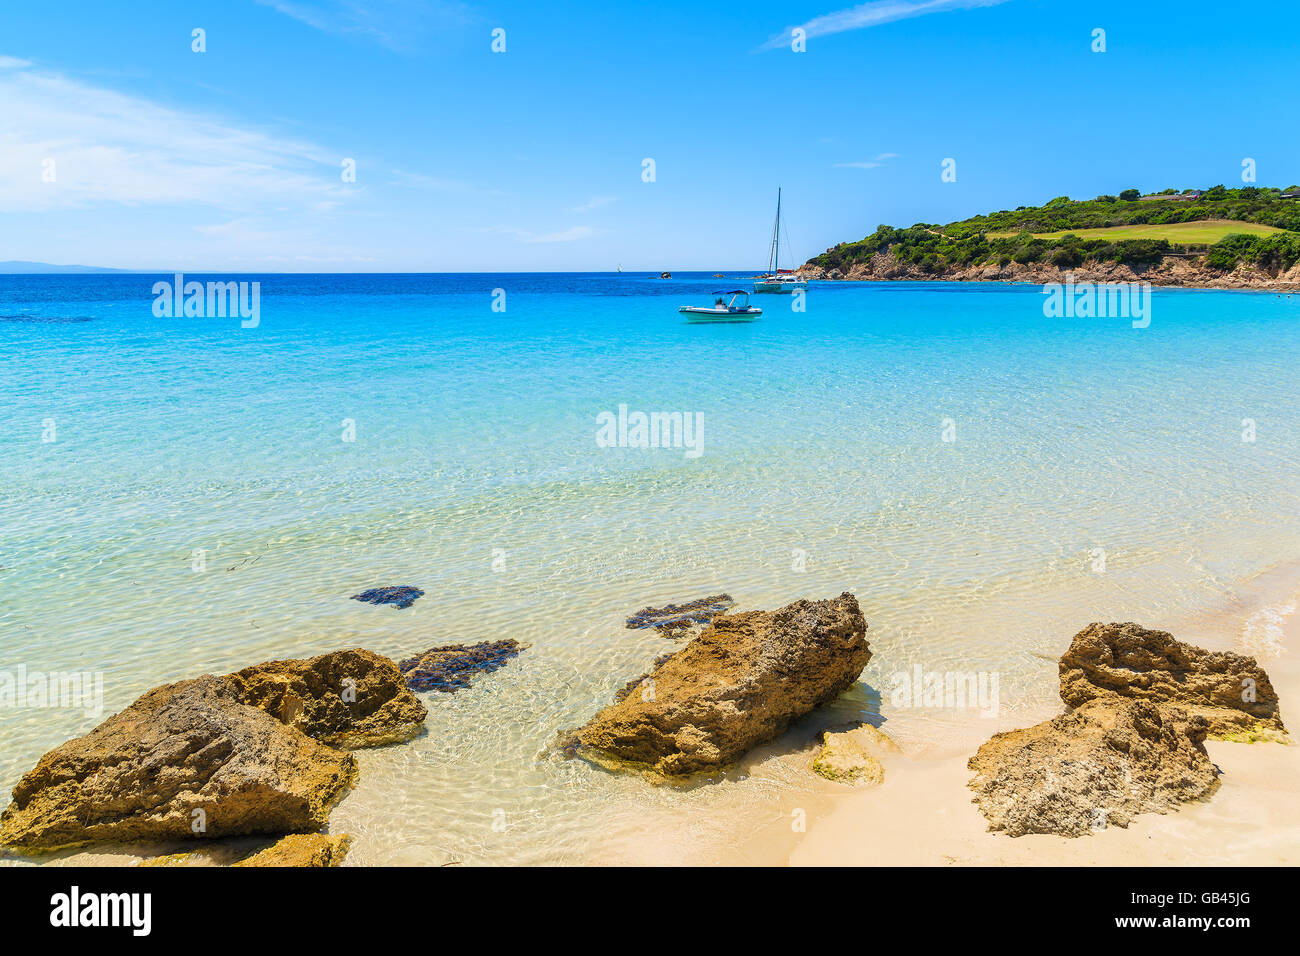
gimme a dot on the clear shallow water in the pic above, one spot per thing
(475, 434)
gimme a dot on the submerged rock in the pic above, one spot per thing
(351, 698)
(185, 759)
(1095, 767)
(450, 668)
(739, 683)
(296, 849)
(402, 596)
(674, 618)
(1117, 661)
(302, 849)
(851, 754)
(636, 682)
(211, 853)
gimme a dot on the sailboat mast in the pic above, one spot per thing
(774, 258)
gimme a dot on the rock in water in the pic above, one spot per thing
(352, 698)
(739, 683)
(211, 853)
(402, 596)
(144, 775)
(1092, 768)
(851, 754)
(296, 849)
(674, 618)
(450, 668)
(1116, 661)
(302, 849)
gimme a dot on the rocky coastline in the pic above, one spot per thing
(209, 764)
(1173, 271)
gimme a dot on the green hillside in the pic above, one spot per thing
(1258, 226)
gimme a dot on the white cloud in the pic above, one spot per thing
(109, 147)
(12, 63)
(869, 164)
(874, 14)
(400, 25)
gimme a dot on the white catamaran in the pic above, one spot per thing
(777, 279)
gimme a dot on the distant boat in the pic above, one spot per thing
(735, 309)
(777, 279)
(665, 275)
(620, 267)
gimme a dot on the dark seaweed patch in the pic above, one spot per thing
(403, 596)
(450, 668)
(679, 617)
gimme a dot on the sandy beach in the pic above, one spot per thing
(922, 815)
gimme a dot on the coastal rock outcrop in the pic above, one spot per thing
(184, 759)
(674, 619)
(1143, 704)
(1169, 271)
(739, 683)
(399, 596)
(302, 849)
(1091, 768)
(451, 668)
(852, 754)
(296, 849)
(351, 698)
(1116, 661)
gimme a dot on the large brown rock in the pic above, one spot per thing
(351, 698)
(183, 753)
(1092, 768)
(1115, 661)
(739, 683)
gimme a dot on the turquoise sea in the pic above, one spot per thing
(987, 480)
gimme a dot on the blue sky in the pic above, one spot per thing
(531, 159)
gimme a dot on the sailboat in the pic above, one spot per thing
(777, 279)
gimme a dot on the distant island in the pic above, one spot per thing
(1213, 238)
(19, 267)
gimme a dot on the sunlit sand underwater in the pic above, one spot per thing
(1095, 471)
